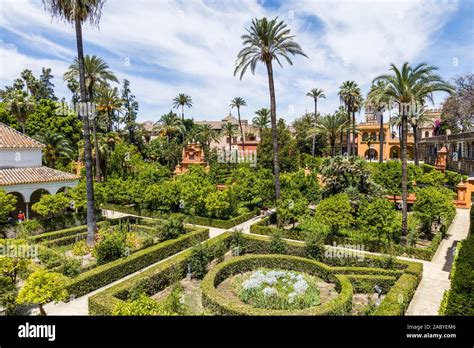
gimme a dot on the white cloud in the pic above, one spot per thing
(190, 47)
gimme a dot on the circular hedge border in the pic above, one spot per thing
(213, 300)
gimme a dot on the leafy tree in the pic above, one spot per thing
(379, 218)
(162, 197)
(290, 207)
(7, 205)
(125, 161)
(218, 204)
(288, 151)
(458, 109)
(302, 125)
(111, 246)
(15, 263)
(434, 204)
(51, 204)
(166, 153)
(389, 175)
(130, 108)
(42, 287)
(266, 41)
(335, 212)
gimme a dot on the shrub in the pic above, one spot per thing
(380, 219)
(27, 228)
(238, 241)
(199, 260)
(172, 227)
(277, 244)
(142, 305)
(111, 247)
(81, 248)
(314, 246)
(335, 212)
(434, 203)
(71, 267)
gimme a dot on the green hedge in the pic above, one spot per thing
(112, 271)
(460, 299)
(365, 283)
(196, 220)
(160, 276)
(219, 304)
(399, 296)
(68, 240)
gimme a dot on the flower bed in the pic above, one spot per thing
(196, 220)
(219, 304)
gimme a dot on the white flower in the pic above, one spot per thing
(300, 286)
(269, 291)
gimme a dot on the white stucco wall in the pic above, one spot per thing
(20, 158)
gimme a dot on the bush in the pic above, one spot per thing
(172, 227)
(28, 228)
(81, 248)
(315, 246)
(111, 247)
(277, 244)
(335, 212)
(142, 305)
(71, 267)
(199, 260)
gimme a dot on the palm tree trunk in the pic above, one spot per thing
(348, 135)
(415, 145)
(276, 164)
(241, 130)
(353, 134)
(404, 173)
(182, 113)
(96, 147)
(381, 139)
(333, 148)
(342, 141)
(91, 221)
(313, 148)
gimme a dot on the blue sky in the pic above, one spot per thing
(167, 47)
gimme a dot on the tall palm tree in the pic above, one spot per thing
(108, 105)
(416, 118)
(406, 87)
(170, 124)
(21, 105)
(380, 101)
(266, 41)
(262, 119)
(237, 102)
(228, 130)
(57, 146)
(350, 96)
(182, 100)
(315, 93)
(77, 12)
(96, 72)
(331, 127)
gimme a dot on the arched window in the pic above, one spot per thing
(365, 136)
(427, 134)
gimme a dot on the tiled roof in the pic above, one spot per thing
(12, 139)
(29, 175)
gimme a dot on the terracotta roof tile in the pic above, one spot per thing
(28, 175)
(12, 139)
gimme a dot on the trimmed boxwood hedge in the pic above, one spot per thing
(112, 271)
(164, 274)
(68, 240)
(196, 220)
(427, 254)
(219, 304)
(160, 276)
(399, 297)
(460, 299)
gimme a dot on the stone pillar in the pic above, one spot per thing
(27, 210)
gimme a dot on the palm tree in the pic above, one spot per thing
(406, 87)
(208, 135)
(170, 124)
(182, 100)
(57, 146)
(265, 41)
(108, 104)
(380, 102)
(228, 130)
(262, 119)
(315, 93)
(96, 71)
(77, 12)
(21, 105)
(237, 102)
(416, 118)
(350, 96)
(331, 127)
